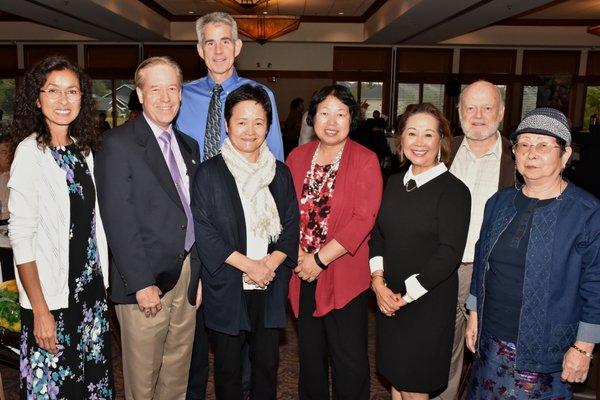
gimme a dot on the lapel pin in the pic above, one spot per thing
(193, 161)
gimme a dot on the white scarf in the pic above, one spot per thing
(254, 179)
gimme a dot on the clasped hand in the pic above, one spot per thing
(260, 272)
(387, 301)
(307, 268)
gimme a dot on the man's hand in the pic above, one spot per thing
(199, 295)
(148, 300)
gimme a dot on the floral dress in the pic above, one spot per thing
(82, 368)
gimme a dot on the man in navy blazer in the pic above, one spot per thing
(143, 172)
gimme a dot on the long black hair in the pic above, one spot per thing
(28, 117)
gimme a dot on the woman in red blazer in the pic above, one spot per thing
(338, 184)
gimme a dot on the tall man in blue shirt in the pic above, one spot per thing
(218, 45)
(201, 117)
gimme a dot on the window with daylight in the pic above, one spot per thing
(592, 106)
(411, 93)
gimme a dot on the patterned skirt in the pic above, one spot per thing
(494, 376)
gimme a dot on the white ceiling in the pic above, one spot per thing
(323, 8)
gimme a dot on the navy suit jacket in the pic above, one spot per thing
(220, 230)
(143, 215)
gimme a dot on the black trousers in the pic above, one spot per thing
(198, 376)
(341, 336)
(263, 344)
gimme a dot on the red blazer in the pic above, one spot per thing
(354, 207)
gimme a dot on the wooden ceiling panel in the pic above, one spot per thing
(424, 61)
(542, 62)
(571, 9)
(35, 52)
(491, 61)
(320, 8)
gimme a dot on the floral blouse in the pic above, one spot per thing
(315, 207)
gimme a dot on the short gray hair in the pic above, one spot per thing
(216, 18)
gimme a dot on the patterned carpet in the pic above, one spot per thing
(288, 368)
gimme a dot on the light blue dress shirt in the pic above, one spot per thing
(194, 110)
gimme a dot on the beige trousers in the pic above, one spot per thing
(465, 271)
(157, 351)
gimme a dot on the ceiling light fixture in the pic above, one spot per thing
(263, 28)
(594, 30)
(248, 4)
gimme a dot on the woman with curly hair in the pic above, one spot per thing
(57, 237)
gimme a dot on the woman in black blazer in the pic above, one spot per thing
(246, 217)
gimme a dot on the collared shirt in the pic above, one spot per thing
(157, 131)
(196, 97)
(414, 289)
(426, 176)
(481, 175)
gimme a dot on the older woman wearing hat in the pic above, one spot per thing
(535, 293)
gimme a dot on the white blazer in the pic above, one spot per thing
(39, 207)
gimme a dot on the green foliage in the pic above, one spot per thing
(7, 97)
(592, 104)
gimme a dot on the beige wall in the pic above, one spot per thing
(286, 56)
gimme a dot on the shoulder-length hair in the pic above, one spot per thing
(443, 129)
(28, 117)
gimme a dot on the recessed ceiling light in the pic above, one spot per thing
(190, 12)
(265, 12)
(340, 13)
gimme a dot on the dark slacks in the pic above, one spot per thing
(263, 344)
(198, 375)
(341, 335)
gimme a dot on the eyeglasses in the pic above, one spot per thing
(73, 95)
(541, 148)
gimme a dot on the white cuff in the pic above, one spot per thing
(414, 289)
(376, 263)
